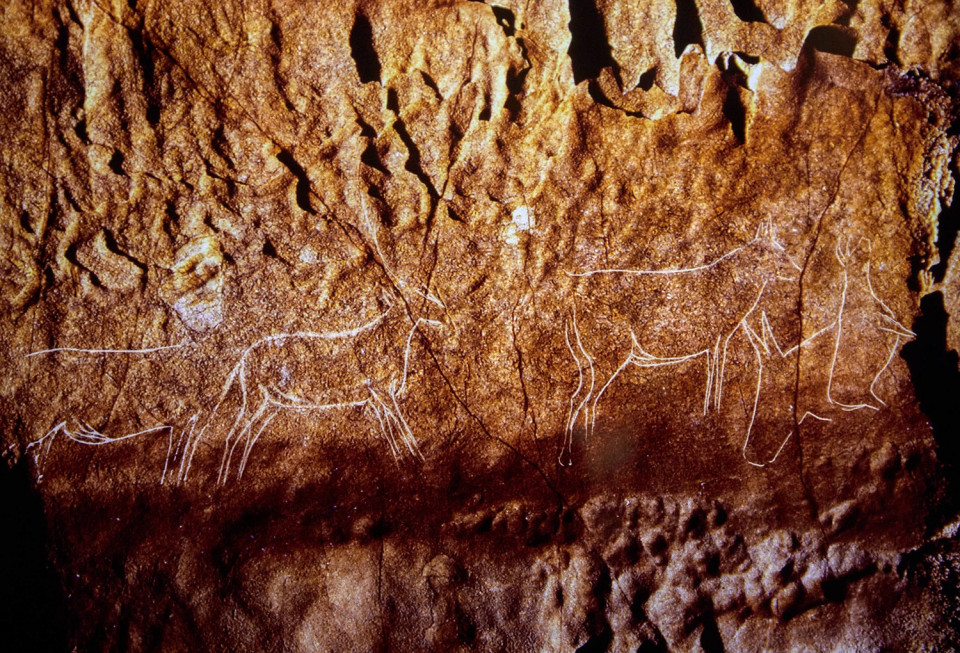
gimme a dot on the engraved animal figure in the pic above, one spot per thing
(861, 321)
(663, 317)
(78, 430)
(365, 367)
(82, 433)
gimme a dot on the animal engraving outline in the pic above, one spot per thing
(767, 341)
(393, 426)
(889, 323)
(715, 353)
(84, 433)
(382, 401)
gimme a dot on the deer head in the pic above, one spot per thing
(774, 258)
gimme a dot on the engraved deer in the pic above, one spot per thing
(863, 317)
(661, 318)
(365, 367)
(860, 342)
(76, 425)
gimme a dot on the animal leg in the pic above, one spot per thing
(239, 434)
(43, 445)
(756, 399)
(588, 359)
(272, 411)
(596, 399)
(713, 360)
(388, 422)
(194, 438)
(718, 376)
(384, 426)
(405, 432)
(171, 450)
(224, 460)
(183, 446)
(573, 411)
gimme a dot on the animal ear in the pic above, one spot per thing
(386, 297)
(843, 252)
(765, 231)
(771, 236)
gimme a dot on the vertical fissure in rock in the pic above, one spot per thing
(370, 157)
(710, 638)
(892, 43)
(589, 49)
(303, 183)
(62, 45)
(948, 225)
(506, 20)
(80, 129)
(145, 52)
(736, 113)
(687, 29)
(935, 375)
(25, 223)
(362, 50)
(413, 164)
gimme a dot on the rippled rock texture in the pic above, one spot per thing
(384, 325)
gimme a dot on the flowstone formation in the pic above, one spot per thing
(384, 325)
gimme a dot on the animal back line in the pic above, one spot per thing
(77, 350)
(661, 271)
(328, 335)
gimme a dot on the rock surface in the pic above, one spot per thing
(607, 325)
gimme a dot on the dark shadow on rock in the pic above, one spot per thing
(936, 380)
(31, 599)
(832, 39)
(589, 49)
